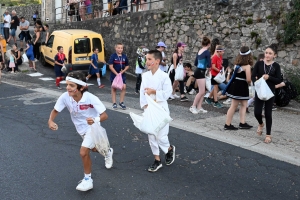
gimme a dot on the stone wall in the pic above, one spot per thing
(26, 11)
(235, 25)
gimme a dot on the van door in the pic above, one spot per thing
(82, 50)
(48, 54)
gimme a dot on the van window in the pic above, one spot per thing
(50, 41)
(82, 45)
(97, 44)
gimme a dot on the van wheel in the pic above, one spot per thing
(42, 60)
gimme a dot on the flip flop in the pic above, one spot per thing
(260, 129)
(268, 139)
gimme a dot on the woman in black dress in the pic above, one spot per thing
(271, 72)
(238, 89)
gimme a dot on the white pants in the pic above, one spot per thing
(161, 141)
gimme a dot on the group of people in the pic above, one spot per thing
(31, 45)
(88, 9)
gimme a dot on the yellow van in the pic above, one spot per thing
(78, 47)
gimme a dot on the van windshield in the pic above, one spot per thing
(82, 45)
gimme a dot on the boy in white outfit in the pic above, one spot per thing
(157, 85)
(85, 109)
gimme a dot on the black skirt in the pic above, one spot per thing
(238, 89)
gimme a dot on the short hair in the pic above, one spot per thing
(156, 54)
(80, 76)
(22, 18)
(119, 43)
(261, 56)
(59, 47)
(205, 41)
(94, 48)
(46, 25)
(187, 65)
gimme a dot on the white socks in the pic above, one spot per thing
(99, 82)
(87, 176)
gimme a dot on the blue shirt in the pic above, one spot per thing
(118, 62)
(203, 61)
(29, 50)
(95, 59)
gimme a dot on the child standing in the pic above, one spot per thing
(59, 58)
(216, 67)
(157, 84)
(94, 68)
(30, 54)
(85, 109)
(118, 64)
(161, 46)
(12, 59)
(140, 67)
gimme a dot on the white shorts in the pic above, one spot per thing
(87, 140)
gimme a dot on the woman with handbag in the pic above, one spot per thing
(238, 88)
(202, 62)
(271, 72)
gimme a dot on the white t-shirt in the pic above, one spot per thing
(163, 68)
(8, 19)
(88, 106)
(24, 24)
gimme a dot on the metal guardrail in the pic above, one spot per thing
(104, 13)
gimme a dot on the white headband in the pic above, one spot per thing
(68, 78)
(246, 53)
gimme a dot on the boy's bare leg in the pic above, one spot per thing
(86, 160)
(122, 94)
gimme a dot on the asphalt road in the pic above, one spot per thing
(37, 163)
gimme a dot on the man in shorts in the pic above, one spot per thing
(24, 26)
(14, 23)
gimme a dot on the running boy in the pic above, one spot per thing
(118, 63)
(140, 67)
(216, 67)
(85, 109)
(94, 68)
(158, 85)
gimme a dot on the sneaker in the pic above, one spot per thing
(192, 92)
(176, 96)
(247, 110)
(170, 156)
(171, 97)
(245, 126)
(227, 102)
(137, 92)
(184, 98)
(274, 107)
(217, 105)
(185, 91)
(193, 110)
(109, 158)
(201, 110)
(122, 105)
(85, 184)
(114, 106)
(208, 100)
(58, 87)
(101, 86)
(155, 166)
(230, 127)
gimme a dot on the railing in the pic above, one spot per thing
(112, 9)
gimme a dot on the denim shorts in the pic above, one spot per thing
(89, 9)
(13, 32)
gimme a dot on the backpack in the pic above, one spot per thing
(291, 89)
(282, 97)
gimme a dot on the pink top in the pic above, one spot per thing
(87, 2)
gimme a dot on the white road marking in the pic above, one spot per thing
(35, 74)
(47, 79)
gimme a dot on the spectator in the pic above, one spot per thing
(35, 15)
(110, 6)
(189, 80)
(116, 8)
(82, 10)
(14, 23)
(18, 57)
(202, 62)
(36, 40)
(89, 10)
(70, 9)
(46, 28)
(2, 52)
(24, 28)
(11, 62)
(161, 46)
(213, 45)
(143, 4)
(238, 90)
(7, 20)
(140, 67)
(123, 6)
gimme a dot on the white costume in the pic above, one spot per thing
(160, 82)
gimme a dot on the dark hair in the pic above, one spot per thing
(46, 25)
(15, 44)
(29, 42)
(244, 59)
(12, 51)
(22, 18)
(261, 56)
(80, 76)
(273, 47)
(59, 47)
(156, 54)
(205, 41)
(213, 45)
(187, 65)
(94, 48)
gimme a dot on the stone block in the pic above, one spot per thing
(282, 54)
(295, 62)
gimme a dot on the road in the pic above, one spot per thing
(37, 163)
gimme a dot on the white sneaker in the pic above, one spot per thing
(227, 102)
(185, 90)
(201, 110)
(109, 159)
(176, 96)
(192, 92)
(193, 110)
(171, 97)
(85, 184)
